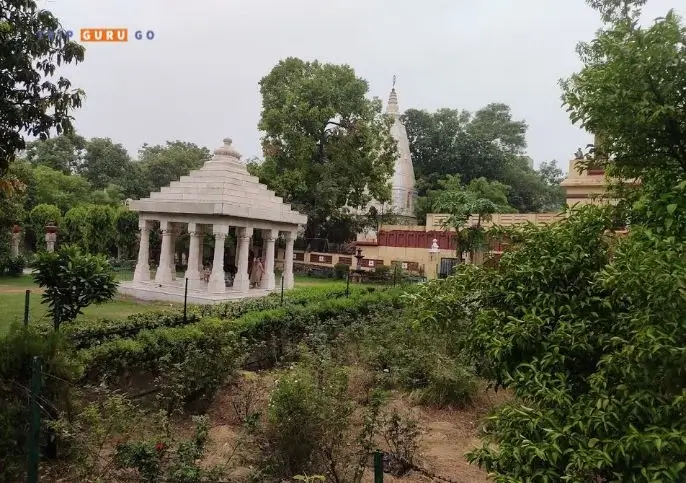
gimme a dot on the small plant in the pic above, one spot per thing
(73, 280)
(341, 271)
(311, 425)
(402, 437)
(245, 401)
(15, 266)
(165, 459)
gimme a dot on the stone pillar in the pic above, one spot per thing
(172, 252)
(142, 272)
(217, 281)
(164, 274)
(16, 237)
(269, 239)
(201, 247)
(192, 267)
(242, 281)
(288, 280)
(50, 236)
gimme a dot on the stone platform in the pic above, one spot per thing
(174, 292)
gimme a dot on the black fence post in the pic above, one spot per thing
(282, 280)
(185, 303)
(395, 273)
(378, 466)
(347, 284)
(34, 435)
(26, 308)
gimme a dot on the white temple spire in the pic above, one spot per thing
(392, 106)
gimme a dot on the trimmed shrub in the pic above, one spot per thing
(15, 266)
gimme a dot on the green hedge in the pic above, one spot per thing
(287, 323)
(88, 333)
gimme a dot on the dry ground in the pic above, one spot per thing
(447, 433)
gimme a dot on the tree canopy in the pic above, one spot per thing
(32, 102)
(326, 145)
(632, 90)
(487, 144)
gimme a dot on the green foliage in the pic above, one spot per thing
(631, 91)
(160, 165)
(488, 144)
(74, 227)
(72, 280)
(587, 333)
(100, 229)
(16, 353)
(341, 271)
(15, 266)
(29, 101)
(324, 142)
(40, 216)
(126, 227)
(169, 458)
(104, 163)
(311, 423)
(56, 188)
(62, 153)
(194, 366)
(308, 411)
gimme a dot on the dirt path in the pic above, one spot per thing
(447, 436)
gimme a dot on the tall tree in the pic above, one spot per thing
(62, 153)
(49, 186)
(552, 176)
(488, 144)
(494, 123)
(632, 90)
(160, 165)
(105, 163)
(30, 102)
(326, 145)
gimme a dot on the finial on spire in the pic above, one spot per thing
(395, 78)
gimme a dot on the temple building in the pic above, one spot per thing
(219, 199)
(404, 194)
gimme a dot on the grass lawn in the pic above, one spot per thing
(13, 289)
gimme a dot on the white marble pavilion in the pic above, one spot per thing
(212, 199)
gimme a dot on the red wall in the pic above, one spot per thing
(415, 239)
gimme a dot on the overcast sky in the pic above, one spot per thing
(198, 79)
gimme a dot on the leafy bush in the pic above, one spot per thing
(589, 335)
(72, 281)
(311, 426)
(407, 355)
(15, 266)
(122, 265)
(88, 333)
(341, 271)
(16, 354)
(40, 216)
(92, 332)
(167, 458)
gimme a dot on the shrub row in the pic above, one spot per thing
(88, 333)
(286, 324)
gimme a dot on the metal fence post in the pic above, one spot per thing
(34, 435)
(26, 308)
(282, 279)
(378, 466)
(347, 284)
(185, 302)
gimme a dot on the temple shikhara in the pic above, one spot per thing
(403, 192)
